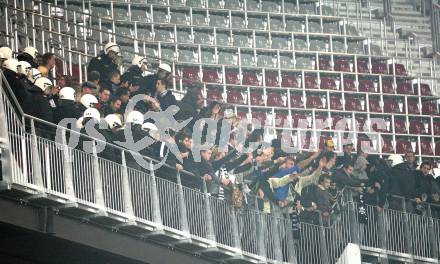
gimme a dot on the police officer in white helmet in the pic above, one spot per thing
(163, 72)
(29, 54)
(66, 106)
(5, 53)
(37, 104)
(19, 87)
(107, 62)
(134, 75)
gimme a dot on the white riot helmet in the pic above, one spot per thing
(135, 117)
(79, 122)
(113, 121)
(24, 68)
(151, 129)
(10, 64)
(7, 52)
(92, 113)
(111, 46)
(395, 159)
(88, 100)
(2, 56)
(67, 93)
(165, 67)
(31, 51)
(436, 172)
(43, 83)
(138, 61)
(34, 75)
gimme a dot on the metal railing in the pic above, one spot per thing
(435, 28)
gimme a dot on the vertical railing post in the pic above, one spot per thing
(36, 161)
(154, 196)
(323, 242)
(352, 218)
(432, 235)
(407, 229)
(183, 214)
(261, 230)
(126, 187)
(210, 234)
(382, 233)
(234, 223)
(99, 191)
(6, 161)
(67, 166)
(275, 233)
(291, 258)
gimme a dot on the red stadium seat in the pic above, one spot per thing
(190, 74)
(335, 103)
(338, 124)
(232, 77)
(429, 108)
(349, 85)
(214, 95)
(321, 121)
(298, 119)
(324, 65)
(437, 148)
(365, 144)
(387, 146)
(272, 79)
(375, 105)
(328, 83)
(251, 78)
(310, 82)
(400, 126)
(342, 65)
(436, 127)
(387, 87)
(361, 122)
(289, 81)
(352, 104)
(235, 97)
(425, 89)
(413, 107)
(404, 88)
(296, 101)
(241, 115)
(274, 99)
(314, 101)
(362, 66)
(211, 76)
(379, 68)
(257, 99)
(366, 86)
(260, 116)
(403, 146)
(426, 148)
(400, 69)
(392, 106)
(417, 127)
(281, 120)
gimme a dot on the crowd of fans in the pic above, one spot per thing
(305, 185)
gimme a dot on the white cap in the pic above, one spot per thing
(138, 61)
(135, 117)
(395, 159)
(88, 100)
(43, 83)
(92, 113)
(67, 93)
(165, 67)
(113, 121)
(111, 46)
(31, 51)
(7, 52)
(11, 64)
(35, 74)
(24, 67)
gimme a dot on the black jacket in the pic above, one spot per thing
(403, 181)
(150, 85)
(65, 109)
(134, 76)
(19, 87)
(166, 100)
(27, 58)
(37, 105)
(102, 64)
(342, 179)
(424, 186)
